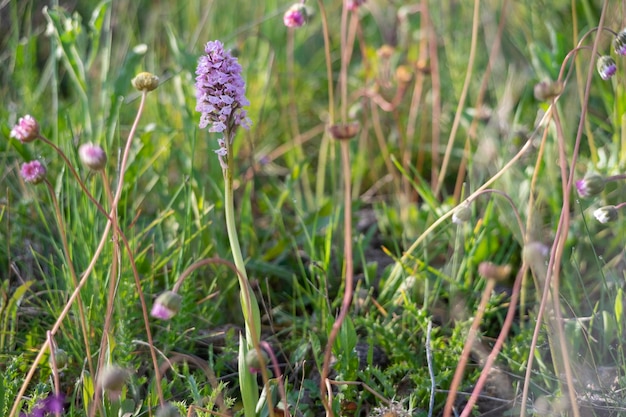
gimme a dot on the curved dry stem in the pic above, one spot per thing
(117, 232)
(558, 318)
(504, 332)
(114, 277)
(75, 174)
(469, 343)
(203, 365)
(397, 269)
(561, 232)
(70, 265)
(296, 141)
(457, 116)
(433, 40)
(473, 332)
(520, 224)
(348, 287)
(346, 50)
(116, 199)
(493, 53)
(329, 69)
(60, 319)
(279, 376)
(55, 369)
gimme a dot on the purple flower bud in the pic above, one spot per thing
(353, 5)
(52, 404)
(253, 361)
(592, 184)
(93, 156)
(33, 172)
(166, 306)
(295, 16)
(619, 43)
(606, 67)
(26, 130)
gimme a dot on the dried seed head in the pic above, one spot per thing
(145, 81)
(344, 131)
(112, 379)
(385, 51)
(403, 74)
(535, 254)
(490, 270)
(547, 90)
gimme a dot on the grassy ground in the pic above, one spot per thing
(475, 259)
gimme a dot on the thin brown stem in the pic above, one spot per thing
(293, 117)
(116, 199)
(458, 374)
(504, 332)
(560, 235)
(482, 91)
(459, 110)
(75, 174)
(279, 376)
(329, 69)
(558, 318)
(429, 29)
(348, 287)
(74, 277)
(345, 56)
(467, 348)
(113, 282)
(60, 319)
(55, 369)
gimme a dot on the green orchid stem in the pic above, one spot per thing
(249, 305)
(243, 348)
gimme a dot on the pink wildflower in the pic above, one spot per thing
(295, 16)
(33, 172)
(26, 130)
